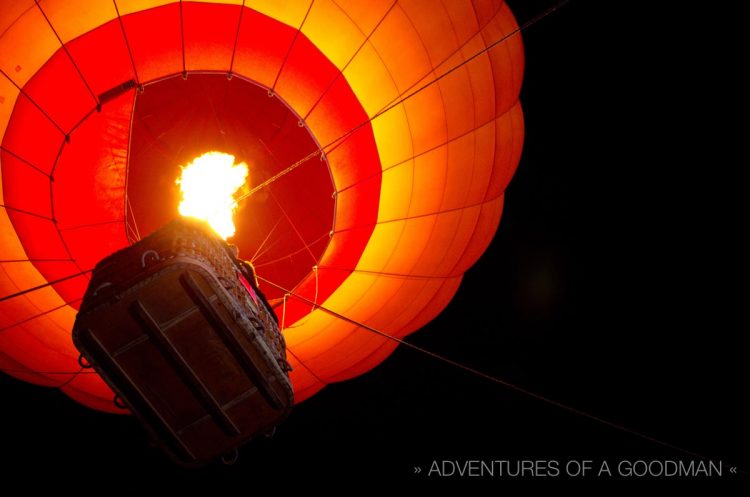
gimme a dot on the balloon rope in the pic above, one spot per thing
(39, 287)
(491, 378)
(322, 151)
(39, 314)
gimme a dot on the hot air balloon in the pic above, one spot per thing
(382, 143)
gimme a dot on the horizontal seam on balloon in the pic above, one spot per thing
(394, 275)
(429, 214)
(34, 103)
(29, 213)
(24, 161)
(424, 152)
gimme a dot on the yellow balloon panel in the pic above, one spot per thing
(8, 96)
(130, 6)
(340, 45)
(409, 295)
(370, 80)
(396, 192)
(383, 241)
(374, 358)
(508, 146)
(290, 12)
(484, 158)
(464, 25)
(401, 49)
(367, 15)
(10, 10)
(393, 137)
(438, 302)
(449, 237)
(432, 23)
(460, 171)
(26, 45)
(484, 231)
(355, 345)
(428, 188)
(458, 100)
(506, 58)
(72, 18)
(427, 119)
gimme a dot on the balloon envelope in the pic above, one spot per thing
(100, 102)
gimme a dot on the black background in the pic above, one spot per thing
(615, 284)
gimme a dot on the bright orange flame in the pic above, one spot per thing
(208, 186)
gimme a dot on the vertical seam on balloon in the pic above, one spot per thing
(236, 37)
(34, 103)
(57, 159)
(340, 73)
(70, 57)
(447, 137)
(494, 151)
(473, 169)
(291, 46)
(411, 138)
(182, 40)
(24, 161)
(127, 42)
(54, 222)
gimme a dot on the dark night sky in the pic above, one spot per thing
(609, 287)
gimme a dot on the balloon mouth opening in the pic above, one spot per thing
(284, 228)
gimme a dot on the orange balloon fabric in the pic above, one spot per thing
(101, 101)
